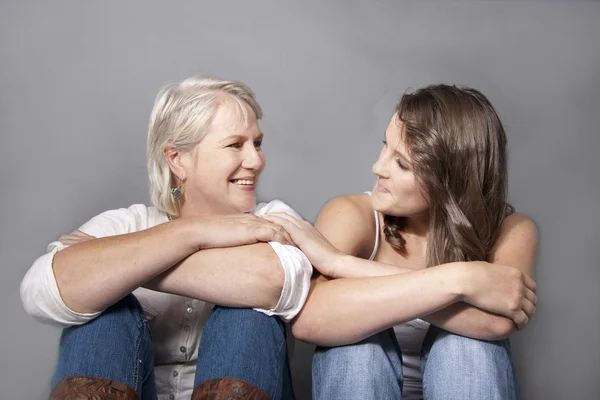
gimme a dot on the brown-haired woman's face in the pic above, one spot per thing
(397, 191)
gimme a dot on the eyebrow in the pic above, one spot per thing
(242, 137)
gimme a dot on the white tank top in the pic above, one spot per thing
(410, 336)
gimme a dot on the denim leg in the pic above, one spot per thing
(370, 369)
(245, 344)
(461, 368)
(116, 345)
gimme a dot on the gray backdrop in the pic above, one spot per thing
(77, 82)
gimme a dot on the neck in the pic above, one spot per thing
(190, 210)
(417, 225)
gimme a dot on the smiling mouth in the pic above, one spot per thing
(243, 182)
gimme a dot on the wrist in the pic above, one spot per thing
(338, 266)
(460, 280)
(190, 232)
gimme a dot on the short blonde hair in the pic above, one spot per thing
(181, 116)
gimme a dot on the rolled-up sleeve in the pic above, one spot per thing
(40, 296)
(297, 271)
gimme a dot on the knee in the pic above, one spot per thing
(244, 327)
(244, 318)
(451, 347)
(365, 362)
(126, 315)
(462, 367)
(452, 354)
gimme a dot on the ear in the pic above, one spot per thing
(174, 158)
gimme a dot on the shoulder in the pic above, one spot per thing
(518, 226)
(353, 207)
(517, 243)
(274, 206)
(134, 218)
(349, 223)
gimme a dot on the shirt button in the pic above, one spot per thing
(182, 349)
(186, 328)
(189, 310)
(171, 396)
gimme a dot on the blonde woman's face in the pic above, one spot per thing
(224, 168)
(397, 191)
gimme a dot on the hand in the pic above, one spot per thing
(321, 253)
(238, 230)
(502, 290)
(75, 237)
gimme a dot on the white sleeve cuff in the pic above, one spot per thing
(296, 284)
(41, 298)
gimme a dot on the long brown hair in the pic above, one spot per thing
(458, 149)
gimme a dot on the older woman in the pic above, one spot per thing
(137, 300)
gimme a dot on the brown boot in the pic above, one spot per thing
(228, 389)
(88, 388)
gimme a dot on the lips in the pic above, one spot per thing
(244, 180)
(380, 188)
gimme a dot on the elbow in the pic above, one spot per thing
(31, 295)
(501, 328)
(27, 297)
(301, 330)
(314, 330)
(274, 281)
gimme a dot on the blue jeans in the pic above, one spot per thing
(454, 367)
(235, 343)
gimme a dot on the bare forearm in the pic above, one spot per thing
(461, 318)
(334, 308)
(95, 274)
(355, 267)
(467, 320)
(244, 276)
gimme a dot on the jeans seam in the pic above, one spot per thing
(136, 351)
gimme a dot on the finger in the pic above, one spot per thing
(288, 238)
(70, 239)
(531, 296)
(281, 238)
(521, 320)
(273, 229)
(287, 217)
(272, 233)
(530, 283)
(283, 222)
(528, 308)
(79, 233)
(280, 232)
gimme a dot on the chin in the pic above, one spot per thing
(246, 206)
(379, 205)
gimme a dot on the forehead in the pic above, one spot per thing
(394, 133)
(233, 118)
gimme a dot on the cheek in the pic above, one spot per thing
(405, 187)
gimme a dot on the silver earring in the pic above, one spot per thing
(176, 193)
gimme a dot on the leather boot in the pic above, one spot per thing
(228, 389)
(89, 388)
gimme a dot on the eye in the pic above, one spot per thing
(384, 142)
(236, 145)
(258, 144)
(402, 166)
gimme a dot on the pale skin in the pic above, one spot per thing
(199, 254)
(483, 300)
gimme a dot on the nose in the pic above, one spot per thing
(253, 159)
(380, 166)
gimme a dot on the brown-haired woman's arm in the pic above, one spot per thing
(516, 247)
(343, 311)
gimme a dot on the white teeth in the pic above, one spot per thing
(243, 182)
